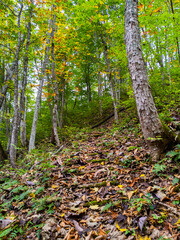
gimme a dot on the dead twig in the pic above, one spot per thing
(173, 210)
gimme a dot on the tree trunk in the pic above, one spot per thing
(23, 125)
(55, 109)
(158, 137)
(177, 41)
(55, 125)
(23, 99)
(14, 135)
(38, 99)
(110, 78)
(3, 155)
(62, 104)
(100, 93)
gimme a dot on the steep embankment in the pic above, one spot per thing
(101, 185)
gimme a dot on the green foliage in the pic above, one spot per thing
(142, 203)
(5, 232)
(159, 168)
(175, 154)
(107, 206)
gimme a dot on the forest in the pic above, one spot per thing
(89, 119)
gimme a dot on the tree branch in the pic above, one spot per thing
(9, 8)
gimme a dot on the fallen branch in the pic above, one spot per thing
(58, 150)
(173, 210)
(110, 116)
(92, 185)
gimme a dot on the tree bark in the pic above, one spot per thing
(23, 125)
(38, 98)
(55, 109)
(110, 78)
(3, 155)
(23, 99)
(62, 104)
(4, 88)
(177, 41)
(14, 135)
(55, 125)
(157, 136)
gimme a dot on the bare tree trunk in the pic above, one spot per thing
(110, 79)
(24, 82)
(23, 125)
(100, 93)
(55, 109)
(62, 104)
(14, 135)
(157, 136)
(38, 99)
(177, 41)
(3, 155)
(88, 83)
(55, 125)
(4, 88)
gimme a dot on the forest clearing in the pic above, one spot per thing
(89, 119)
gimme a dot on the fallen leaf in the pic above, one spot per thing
(102, 233)
(54, 186)
(32, 195)
(161, 195)
(4, 223)
(120, 229)
(130, 194)
(94, 207)
(30, 183)
(178, 222)
(81, 167)
(138, 237)
(141, 222)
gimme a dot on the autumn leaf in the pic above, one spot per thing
(94, 207)
(141, 6)
(120, 229)
(54, 186)
(138, 237)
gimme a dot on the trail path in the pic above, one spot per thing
(101, 186)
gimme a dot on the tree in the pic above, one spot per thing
(157, 136)
(14, 135)
(3, 155)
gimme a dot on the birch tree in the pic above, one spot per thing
(38, 97)
(14, 135)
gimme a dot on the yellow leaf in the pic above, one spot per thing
(120, 229)
(138, 237)
(81, 167)
(120, 186)
(62, 215)
(32, 195)
(94, 207)
(178, 222)
(11, 217)
(54, 186)
(142, 175)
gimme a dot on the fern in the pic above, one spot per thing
(5, 232)
(159, 168)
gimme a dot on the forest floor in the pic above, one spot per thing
(99, 185)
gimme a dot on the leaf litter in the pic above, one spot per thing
(101, 186)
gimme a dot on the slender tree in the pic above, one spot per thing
(14, 135)
(24, 81)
